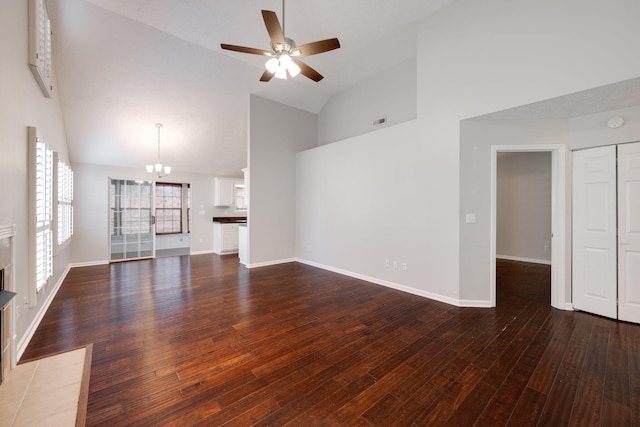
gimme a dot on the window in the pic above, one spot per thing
(130, 204)
(40, 209)
(173, 202)
(241, 201)
(64, 184)
(40, 59)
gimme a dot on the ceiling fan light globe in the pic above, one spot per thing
(281, 73)
(272, 65)
(294, 70)
(285, 60)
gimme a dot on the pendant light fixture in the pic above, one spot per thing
(158, 169)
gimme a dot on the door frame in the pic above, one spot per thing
(559, 298)
(153, 214)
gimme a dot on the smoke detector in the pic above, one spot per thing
(615, 122)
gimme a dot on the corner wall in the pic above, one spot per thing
(391, 94)
(277, 132)
(22, 104)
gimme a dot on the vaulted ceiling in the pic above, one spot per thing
(124, 65)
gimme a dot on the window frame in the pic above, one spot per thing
(185, 190)
(63, 212)
(41, 182)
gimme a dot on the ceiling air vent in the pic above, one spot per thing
(380, 121)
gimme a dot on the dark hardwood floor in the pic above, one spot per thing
(203, 341)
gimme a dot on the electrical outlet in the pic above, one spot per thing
(395, 264)
(386, 263)
(404, 266)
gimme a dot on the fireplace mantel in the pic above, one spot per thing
(7, 231)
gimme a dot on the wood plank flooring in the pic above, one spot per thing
(201, 340)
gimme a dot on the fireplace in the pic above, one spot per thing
(6, 257)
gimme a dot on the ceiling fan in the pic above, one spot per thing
(284, 53)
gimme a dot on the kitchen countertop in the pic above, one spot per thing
(230, 219)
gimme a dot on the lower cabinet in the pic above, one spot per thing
(225, 238)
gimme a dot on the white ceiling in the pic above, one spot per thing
(124, 65)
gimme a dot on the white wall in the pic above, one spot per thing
(22, 104)
(277, 132)
(91, 220)
(390, 93)
(366, 200)
(523, 211)
(476, 138)
(475, 58)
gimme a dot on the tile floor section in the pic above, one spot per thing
(43, 392)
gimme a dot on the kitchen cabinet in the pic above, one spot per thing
(223, 191)
(225, 238)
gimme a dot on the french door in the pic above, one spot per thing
(606, 231)
(131, 224)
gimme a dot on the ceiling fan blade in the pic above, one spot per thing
(307, 71)
(244, 49)
(317, 47)
(273, 27)
(266, 76)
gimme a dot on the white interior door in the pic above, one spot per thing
(629, 232)
(594, 231)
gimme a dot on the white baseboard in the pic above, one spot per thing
(201, 252)
(274, 262)
(26, 338)
(475, 303)
(399, 287)
(88, 263)
(522, 259)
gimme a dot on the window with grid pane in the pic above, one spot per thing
(41, 209)
(168, 208)
(65, 203)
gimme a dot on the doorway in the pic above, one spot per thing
(558, 213)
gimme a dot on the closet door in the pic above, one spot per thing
(629, 232)
(594, 231)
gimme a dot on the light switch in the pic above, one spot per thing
(471, 218)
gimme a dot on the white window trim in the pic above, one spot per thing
(40, 214)
(63, 212)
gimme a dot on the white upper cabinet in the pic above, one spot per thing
(223, 191)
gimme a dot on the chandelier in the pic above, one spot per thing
(158, 169)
